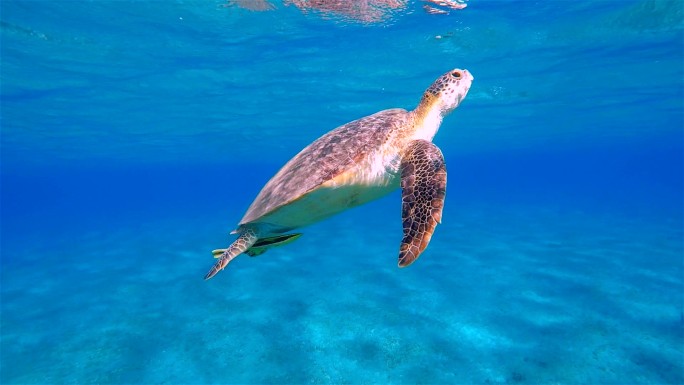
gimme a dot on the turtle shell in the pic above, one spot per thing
(324, 159)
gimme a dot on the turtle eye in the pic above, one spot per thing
(456, 74)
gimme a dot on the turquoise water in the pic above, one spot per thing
(136, 134)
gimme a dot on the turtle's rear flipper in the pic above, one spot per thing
(263, 244)
(423, 185)
(242, 244)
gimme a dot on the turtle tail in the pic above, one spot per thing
(244, 242)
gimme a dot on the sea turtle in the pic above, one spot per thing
(354, 164)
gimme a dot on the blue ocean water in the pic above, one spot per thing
(136, 134)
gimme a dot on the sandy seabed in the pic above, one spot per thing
(502, 295)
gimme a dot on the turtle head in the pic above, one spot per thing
(446, 93)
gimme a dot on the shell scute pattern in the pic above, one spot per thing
(327, 157)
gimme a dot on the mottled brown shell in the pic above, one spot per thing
(324, 159)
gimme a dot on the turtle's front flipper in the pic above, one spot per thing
(244, 242)
(423, 185)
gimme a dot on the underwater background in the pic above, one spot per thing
(136, 134)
